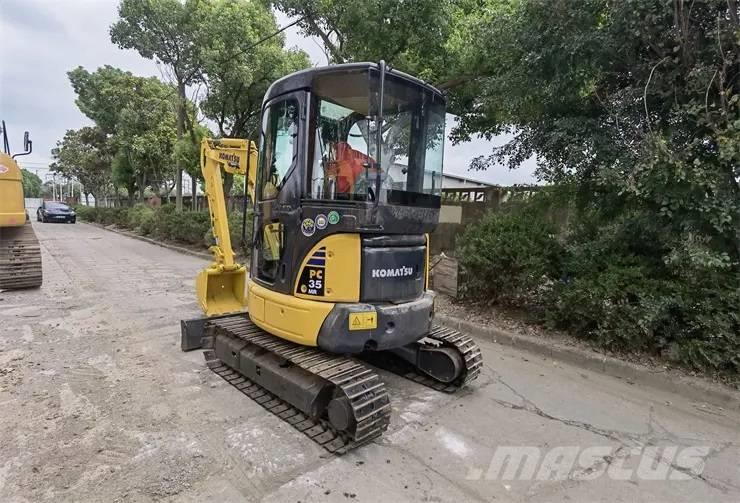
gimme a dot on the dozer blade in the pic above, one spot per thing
(221, 291)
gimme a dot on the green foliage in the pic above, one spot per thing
(238, 69)
(31, 184)
(137, 116)
(508, 256)
(85, 155)
(411, 35)
(164, 223)
(224, 44)
(139, 217)
(633, 106)
(161, 29)
(617, 292)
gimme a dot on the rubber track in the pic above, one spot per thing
(20, 258)
(363, 387)
(449, 337)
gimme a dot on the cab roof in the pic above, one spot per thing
(307, 79)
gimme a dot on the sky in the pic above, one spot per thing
(43, 39)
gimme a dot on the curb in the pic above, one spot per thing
(694, 389)
(133, 235)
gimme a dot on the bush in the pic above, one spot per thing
(620, 280)
(86, 213)
(617, 292)
(188, 227)
(508, 256)
(162, 223)
(138, 215)
(235, 228)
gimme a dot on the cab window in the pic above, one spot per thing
(279, 145)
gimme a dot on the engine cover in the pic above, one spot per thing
(393, 268)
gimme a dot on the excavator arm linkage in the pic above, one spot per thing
(220, 287)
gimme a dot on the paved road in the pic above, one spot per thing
(97, 403)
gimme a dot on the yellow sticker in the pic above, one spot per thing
(366, 320)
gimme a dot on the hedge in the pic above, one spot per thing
(164, 223)
(610, 281)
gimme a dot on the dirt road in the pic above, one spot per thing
(97, 403)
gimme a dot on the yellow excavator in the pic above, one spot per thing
(345, 189)
(20, 254)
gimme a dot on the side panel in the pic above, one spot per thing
(12, 210)
(330, 271)
(286, 316)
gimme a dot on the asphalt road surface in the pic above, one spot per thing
(98, 403)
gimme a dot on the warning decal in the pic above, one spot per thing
(365, 320)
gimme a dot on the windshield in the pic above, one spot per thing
(56, 206)
(344, 140)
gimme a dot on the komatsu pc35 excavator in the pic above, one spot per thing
(346, 189)
(20, 254)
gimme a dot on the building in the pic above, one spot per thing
(452, 181)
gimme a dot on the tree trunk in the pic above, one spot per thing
(180, 129)
(96, 199)
(131, 188)
(194, 191)
(87, 199)
(228, 183)
(142, 187)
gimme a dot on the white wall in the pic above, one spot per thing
(32, 204)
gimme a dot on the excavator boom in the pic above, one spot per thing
(221, 286)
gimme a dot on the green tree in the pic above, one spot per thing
(187, 150)
(239, 64)
(166, 31)
(139, 117)
(102, 94)
(636, 102)
(31, 184)
(146, 136)
(412, 35)
(85, 155)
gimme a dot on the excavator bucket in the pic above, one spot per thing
(221, 291)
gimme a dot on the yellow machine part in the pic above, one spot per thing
(12, 209)
(220, 287)
(221, 291)
(341, 272)
(287, 316)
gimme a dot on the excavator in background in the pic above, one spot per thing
(20, 254)
(345, 188)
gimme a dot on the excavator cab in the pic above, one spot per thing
(348, 186)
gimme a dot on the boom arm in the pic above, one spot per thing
(235, 156)
(220, 286)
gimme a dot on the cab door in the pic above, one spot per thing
(275, 194)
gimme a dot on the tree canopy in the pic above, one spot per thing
(85, 155)
(31, 184)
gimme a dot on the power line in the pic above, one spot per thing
(264, 39)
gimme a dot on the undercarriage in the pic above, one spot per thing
(336, 400)
(20, 258)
